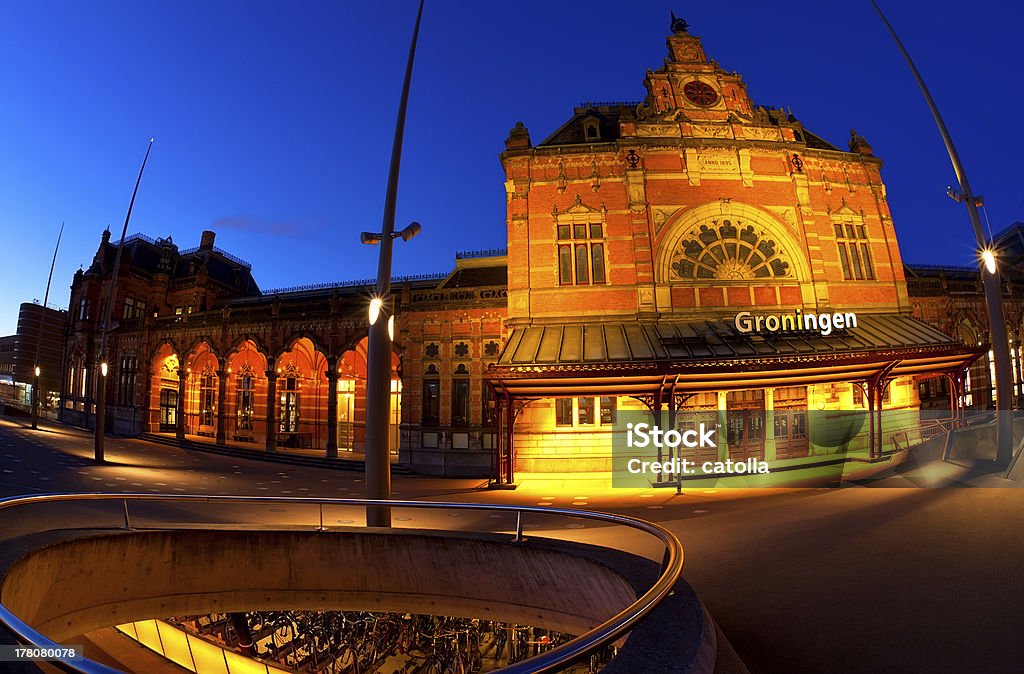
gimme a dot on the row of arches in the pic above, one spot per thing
(299, 398)
(979, 384)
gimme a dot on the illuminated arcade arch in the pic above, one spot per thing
(163, 390)
(201, 391)
(246, 393)
(352, 399)
(301, 398)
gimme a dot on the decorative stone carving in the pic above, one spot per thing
(661, 216)
(657, 130)
(636, 191)
(762, 133)
(711, 131)
(786, 213)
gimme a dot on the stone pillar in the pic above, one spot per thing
(510, 445)
(179, 420)
(723, 433)
(332, 407)
(222, 406)
(769, 424)
(271, 408)
(872, 391)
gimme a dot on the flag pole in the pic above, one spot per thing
(36, 368)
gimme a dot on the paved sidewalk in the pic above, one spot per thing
(864, 579)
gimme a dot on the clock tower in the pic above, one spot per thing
(690, 86)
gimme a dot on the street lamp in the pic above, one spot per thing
(378, 347)
(378, 377)
(989, 275)
(101, 355)
(989, 258)
(39, 338)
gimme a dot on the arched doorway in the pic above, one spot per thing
(163, 389)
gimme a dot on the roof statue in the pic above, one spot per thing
(678, 25)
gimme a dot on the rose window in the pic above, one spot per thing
(728, 252)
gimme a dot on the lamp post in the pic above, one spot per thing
(988, 269)
(36, 370)
(101, 355)
(378, 348)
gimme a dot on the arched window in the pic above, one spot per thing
(728, 252)
(207, 398)
(246, 400)
(290, 405)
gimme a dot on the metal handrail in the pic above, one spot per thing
(549, 661)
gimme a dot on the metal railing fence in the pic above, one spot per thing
(550, 661)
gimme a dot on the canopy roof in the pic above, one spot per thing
(635, 358)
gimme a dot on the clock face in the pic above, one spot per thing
(700, 93)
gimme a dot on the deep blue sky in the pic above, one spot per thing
(273, 120)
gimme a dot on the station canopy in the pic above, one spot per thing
(653, 358)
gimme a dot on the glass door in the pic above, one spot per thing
(346, 414)
(168, 409)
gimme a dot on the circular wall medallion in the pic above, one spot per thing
(700, 93)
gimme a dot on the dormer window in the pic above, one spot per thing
(591, 129)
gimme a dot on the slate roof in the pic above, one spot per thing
(473, 277)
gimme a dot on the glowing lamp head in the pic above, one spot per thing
(391, 327)
(103, 369)
(375, 305)
(37, 370)
(989, 258)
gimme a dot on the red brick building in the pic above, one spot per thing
(639, 236)
(636, 234)
(197, 350)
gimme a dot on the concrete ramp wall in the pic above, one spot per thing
(74, 587)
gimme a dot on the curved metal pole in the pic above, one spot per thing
(101, 355)
(378, 348)
(39, 338)
(993, 291)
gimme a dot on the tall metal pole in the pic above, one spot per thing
(993, 291)
(379, 350)
(101, 359)
(36, 367)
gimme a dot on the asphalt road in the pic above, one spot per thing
(879, 579)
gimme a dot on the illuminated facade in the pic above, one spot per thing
(637, 232)
(199, 352)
